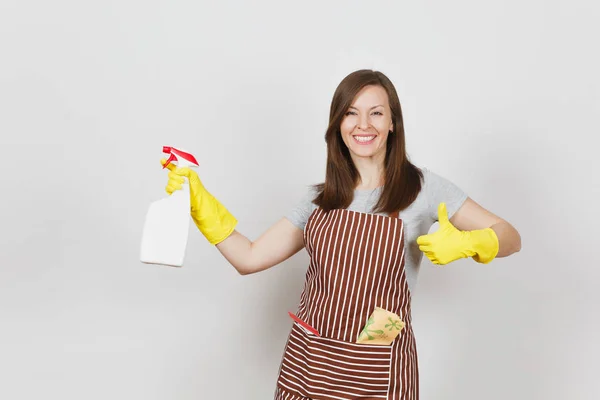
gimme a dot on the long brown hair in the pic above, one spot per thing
(402, 178)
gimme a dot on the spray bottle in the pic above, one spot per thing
(166, 229)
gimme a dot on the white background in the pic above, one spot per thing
(502, 98)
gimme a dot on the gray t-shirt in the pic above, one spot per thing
(417, 218)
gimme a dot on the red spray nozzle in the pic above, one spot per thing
(175, 154)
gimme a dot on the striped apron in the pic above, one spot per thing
(356, 264)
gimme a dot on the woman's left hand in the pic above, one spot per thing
(449, 244)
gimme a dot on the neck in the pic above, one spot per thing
(370, 171)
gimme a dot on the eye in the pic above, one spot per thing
(350, 113)
(378, 113)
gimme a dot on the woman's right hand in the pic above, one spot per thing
(212, 219)
(277, 244)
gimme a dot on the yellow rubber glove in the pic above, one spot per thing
(448, 243)
(212, 219)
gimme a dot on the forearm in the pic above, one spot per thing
(509, 240)
(237, 249)
(276, 244)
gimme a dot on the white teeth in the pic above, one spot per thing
(364, 138)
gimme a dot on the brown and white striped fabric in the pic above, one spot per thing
(356, 264)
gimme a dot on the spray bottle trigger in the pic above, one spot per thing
(172, 157)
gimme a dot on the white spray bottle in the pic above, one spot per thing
(165, 234)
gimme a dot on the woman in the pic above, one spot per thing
(365, 229)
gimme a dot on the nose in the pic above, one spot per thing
(363, 122)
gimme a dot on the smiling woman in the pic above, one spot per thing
(365, 127)
(365, 229)
(366, 146)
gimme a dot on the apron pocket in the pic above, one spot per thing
(324, 369)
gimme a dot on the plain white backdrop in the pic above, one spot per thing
(502, 98)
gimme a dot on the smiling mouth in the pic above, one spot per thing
(364, 139)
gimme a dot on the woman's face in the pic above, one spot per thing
(367, 122)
